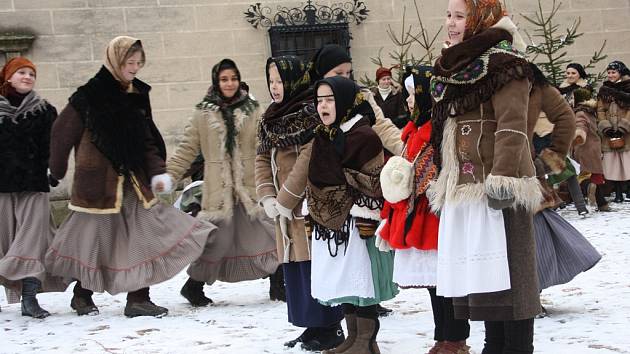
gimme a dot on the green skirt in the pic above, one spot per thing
(382, 274)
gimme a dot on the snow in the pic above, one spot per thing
(588, 315)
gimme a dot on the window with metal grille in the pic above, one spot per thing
(304, 40)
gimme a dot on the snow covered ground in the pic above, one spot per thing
(588, 315)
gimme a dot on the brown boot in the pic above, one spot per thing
(436, 347)
(458, 347)
(365, 342)
(351, 324)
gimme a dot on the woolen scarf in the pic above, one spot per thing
(290, 122)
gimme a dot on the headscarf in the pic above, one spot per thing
(327, 58)
(419, 82)
(116, 53)
(580, 69)
(225, 105)
(10, 68)
(290, 122)
(295, 78)
(620, 67)
(482, 14)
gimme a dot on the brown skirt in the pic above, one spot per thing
(25, 233)
(243, 248)
(124, 252)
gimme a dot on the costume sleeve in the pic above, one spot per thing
(603, 124)
(154, 162)
(385, 128)
(581, 125)
(511, 145)
(291, 193)
(187, 150)
(65, 134)
(561, 115)
(264, 176)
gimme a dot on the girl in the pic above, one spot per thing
(344, 197)
(283, 153)
(613, 124)
(117, 237)
(486, 189)
(25, 233)
(575, 78)
(411, 227)
(223, 130)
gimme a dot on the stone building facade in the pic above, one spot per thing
(184, 38)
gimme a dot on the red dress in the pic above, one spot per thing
(410, 222)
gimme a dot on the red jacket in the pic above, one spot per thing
(413, 224)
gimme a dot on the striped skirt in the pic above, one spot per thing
(131, 250)
(562, 252)
(25, 233)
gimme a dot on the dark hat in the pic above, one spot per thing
(580, 69)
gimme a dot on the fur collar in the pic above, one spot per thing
(581, 83)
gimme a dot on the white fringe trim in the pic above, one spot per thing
(365, 213)
(524, 190)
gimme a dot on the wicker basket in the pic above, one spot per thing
(616, 143)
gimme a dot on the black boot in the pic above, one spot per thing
(618, 192)
(383, 311)
(276, 286)
(139, 304)
(193, 292)
(30, 306)
(306, 336)
(325, 338)
(82, 301)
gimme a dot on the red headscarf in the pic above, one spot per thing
(482, 14)
(13, 65)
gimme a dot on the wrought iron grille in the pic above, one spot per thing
(305, 40)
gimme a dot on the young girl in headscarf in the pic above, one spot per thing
(283, 154)
(118, 237)
(613, 124)
(411, 228)
(223, 131)
(486, 191)
(25, 233)
(344, 198)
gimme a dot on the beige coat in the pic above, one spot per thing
(589, 152)
(281, 173)
(228, 180)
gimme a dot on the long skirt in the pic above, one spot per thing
(617, 165)
(25, 233)
(303, 310)
(359, 274)
(131, 250)
(561, 250)
(243, 248)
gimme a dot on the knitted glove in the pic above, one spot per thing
(269, 204)
(162, 184)
(285, 212)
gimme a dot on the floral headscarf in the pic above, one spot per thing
(482, 14)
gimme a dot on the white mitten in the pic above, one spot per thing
(286, 212)
(396, 179)
(162, 184)
(269, 204)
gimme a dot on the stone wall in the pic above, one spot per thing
(184, 38)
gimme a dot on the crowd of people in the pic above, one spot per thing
(343, 195)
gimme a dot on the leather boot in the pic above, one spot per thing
(276, 286)
(82, 301)
(365, 342)
(458, 347)
(30, 306)
(193, 292)
(351, 324)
